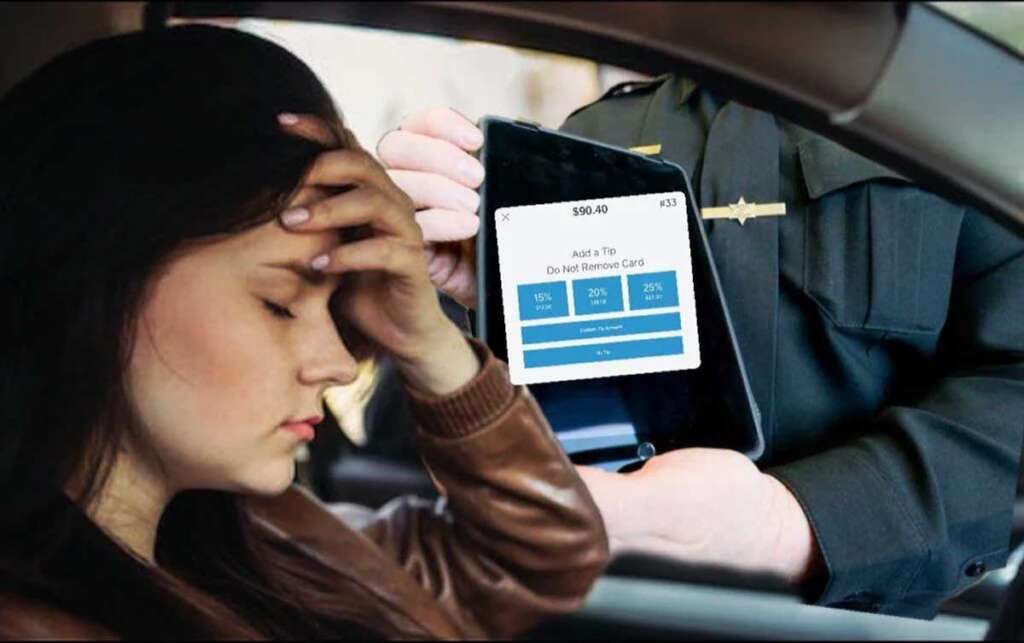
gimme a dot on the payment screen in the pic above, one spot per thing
(597, 288)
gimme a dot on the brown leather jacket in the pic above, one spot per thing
(515, 537)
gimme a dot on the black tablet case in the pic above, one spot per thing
(711, 406)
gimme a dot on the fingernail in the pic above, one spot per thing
(295, 216)
(319, 262)
(471, 171)
(472, 139)
(287, 118)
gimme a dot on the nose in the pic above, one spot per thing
(327, 361)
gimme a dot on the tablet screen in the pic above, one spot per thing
(597, 288)
(602, 296)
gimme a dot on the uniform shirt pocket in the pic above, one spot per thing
(878, 251)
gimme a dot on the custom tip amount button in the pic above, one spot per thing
(541, 301)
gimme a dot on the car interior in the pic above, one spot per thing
(863, 74)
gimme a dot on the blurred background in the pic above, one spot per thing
(377, 77)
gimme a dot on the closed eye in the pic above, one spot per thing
(278, 311)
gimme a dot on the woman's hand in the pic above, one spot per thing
(429, 157)
(385, 292)
(710, 506)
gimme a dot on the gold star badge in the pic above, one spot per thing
(741, 211)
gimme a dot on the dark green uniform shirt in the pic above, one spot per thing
(883, 331)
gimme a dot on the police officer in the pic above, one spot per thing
(882, 328)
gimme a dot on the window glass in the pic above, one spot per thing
(1003, 21)
(411, 72)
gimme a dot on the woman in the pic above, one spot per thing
(171, 206)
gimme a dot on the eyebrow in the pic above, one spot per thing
(307, 274)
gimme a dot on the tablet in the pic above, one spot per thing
(597, 286)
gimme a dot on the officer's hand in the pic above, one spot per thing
(428, 157)
(709, 506)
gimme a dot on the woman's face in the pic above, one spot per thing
(219, 365)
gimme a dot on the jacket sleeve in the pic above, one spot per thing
(515, 536)
(23, 619)
(920, 506)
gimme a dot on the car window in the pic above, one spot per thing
(883, 293)
(1003, 21)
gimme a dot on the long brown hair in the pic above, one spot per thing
(115, 155)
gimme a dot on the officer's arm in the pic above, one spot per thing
(919, 507)
(913, 511)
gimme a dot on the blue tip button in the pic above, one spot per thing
(603, 352)
(604, 327)
(600, 295)
(541, 301)
(653, 290)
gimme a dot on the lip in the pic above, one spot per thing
(303, 429)
(313, 420)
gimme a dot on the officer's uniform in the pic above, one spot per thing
(882, 328)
